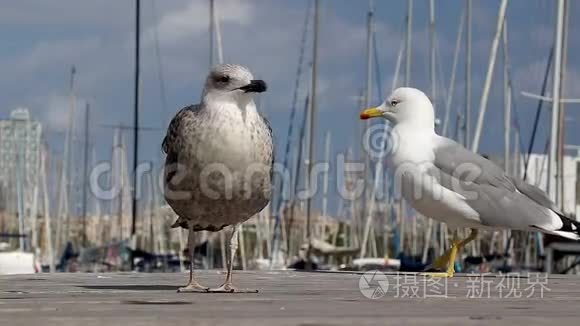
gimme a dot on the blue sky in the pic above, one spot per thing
(41, 40)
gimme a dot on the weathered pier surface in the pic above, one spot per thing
(288, 298)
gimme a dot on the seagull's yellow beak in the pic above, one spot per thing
(371, 113)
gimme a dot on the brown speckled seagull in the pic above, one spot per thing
(219, 162)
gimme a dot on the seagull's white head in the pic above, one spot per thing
(405, 105)
(231, 83)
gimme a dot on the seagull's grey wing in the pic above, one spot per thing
(498, 206)
(455, 160)
(171, 141)
(536, 194)
(499, 199)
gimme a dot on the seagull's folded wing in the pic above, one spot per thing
(536, 194)
(499, 199)
(171, 140)
(453, 159)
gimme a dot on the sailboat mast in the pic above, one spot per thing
(311, 115)
(218, 35)
(408, 42)
(507, 101)
(507, 88)
(325, 185)
(489, 75)
(432, 53)
(467, 115)
(136, 118)
(552, 162)
(367, 102)
(62, 210)
(20, 194)
(85, 174)
(369, 72)
(429, 229)
(46, 202)
(452, 79)
(211, 25)
(562, 115)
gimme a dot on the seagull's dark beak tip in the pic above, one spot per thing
(255, 86)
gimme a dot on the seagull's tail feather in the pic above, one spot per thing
(180, 223)
(570, 229)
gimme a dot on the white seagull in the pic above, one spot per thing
(443, 180)
(219, 161)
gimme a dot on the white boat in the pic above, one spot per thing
(369, 263)
(16, 262)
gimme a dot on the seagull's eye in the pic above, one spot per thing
(224, 79)
(394, 103)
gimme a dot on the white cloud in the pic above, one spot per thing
(181, 25)
(50, 53)
(56, 110)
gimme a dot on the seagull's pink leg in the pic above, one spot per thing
(192, 285)
(227, 287)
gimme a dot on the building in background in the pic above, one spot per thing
(538, 175)
(19, 166)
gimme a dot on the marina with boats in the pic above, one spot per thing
(75, 213)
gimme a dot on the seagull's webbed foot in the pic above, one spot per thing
(193, 287)
(229, 288)
(441, 262)
(438, 274)
(446, 262)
